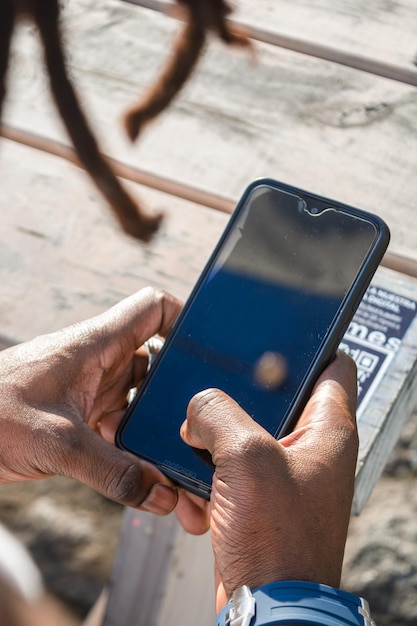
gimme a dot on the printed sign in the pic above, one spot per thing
(374, 336)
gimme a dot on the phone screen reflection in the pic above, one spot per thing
(274, 289)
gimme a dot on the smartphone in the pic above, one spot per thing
(264, 319)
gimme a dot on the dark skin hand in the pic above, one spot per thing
(279, 509)
(64, 394)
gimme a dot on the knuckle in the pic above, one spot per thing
(212, 410)
(250, 446)
(124, 483)
(246, 449)
(153, 293)
(165, 307)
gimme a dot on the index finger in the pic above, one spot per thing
(335, 392)
(328, 420)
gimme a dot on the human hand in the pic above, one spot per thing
(63, 395)
(280, 509)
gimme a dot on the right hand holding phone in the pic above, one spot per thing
(280, 509)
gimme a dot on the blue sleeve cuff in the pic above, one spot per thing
(298, 603)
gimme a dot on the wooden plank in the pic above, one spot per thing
(372, 30)
(62, 257)
(307, 122)
(127, 172)
(303, 46)
(405, 263)
(346, 26)
(162, 575)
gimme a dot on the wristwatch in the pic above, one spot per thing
(295, 602)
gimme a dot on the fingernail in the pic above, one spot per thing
(161, 500)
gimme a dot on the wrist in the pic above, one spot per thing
(297, 602)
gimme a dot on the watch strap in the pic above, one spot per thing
(297, 603)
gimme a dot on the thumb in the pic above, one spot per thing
(116, 474)
(216, 422)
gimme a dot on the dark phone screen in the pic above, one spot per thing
(276, 285)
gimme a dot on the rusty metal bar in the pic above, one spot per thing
(134, 174)
(395, 260)
(302, 46)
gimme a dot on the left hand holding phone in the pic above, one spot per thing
(63, 395)
(280, 509)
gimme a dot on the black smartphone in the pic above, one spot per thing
(264, 319)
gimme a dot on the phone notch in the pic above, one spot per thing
(316, 211)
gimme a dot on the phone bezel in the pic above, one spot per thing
(330, 342)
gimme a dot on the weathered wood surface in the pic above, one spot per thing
(283, 31)
(311, 123)
(382, 30)
(62, 257)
